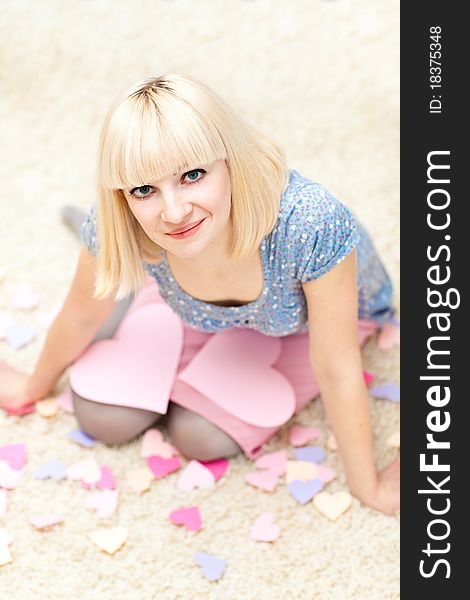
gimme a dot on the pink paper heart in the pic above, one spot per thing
(139, 363)
(216, 467)
(43, 521)
(153, 444)
(65, 401)
(107, 481)
(189, 517)
(234, 370)
(264, 529)
(264, 480)
(104, 502)
(368, 377)
(163, 466)
(193, 476)
(275, 461)
(389, 337)
(326, 474)
(23, 410)
(299, 436)
(14, 454)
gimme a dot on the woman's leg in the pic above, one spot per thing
(108, 423)
(197, 438)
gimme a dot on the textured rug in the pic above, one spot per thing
(322, 78)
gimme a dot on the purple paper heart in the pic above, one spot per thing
(213, 568)
(391, 391)
(79, 436)
(313, 454)
(52, 469)
(304, 491)
(18, 336)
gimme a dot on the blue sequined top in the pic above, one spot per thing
(313, 233)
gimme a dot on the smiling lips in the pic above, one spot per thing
(188, 228)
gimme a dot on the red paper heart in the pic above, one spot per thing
(234, 370)
(138, 366)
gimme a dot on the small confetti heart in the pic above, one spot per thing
(110, 539)
(65, 401)
(216, 467)
(368, 377)
(18, 336)
(389, 337)
(140, 479)
(390, 391)
(47, 408)
(24, 298)
(301, 470)
(304, 491)
(107, 481)
(299, 436)
(86, 470)
(194, 476)
(53, 469)
(6, 320)
(212, 568)
(153, 444)
(46, 318)
(264, 480)
(264, 529)
(313, 454)
(189, 517)
(104, 502)
(9, 478)
(393, 440)
(332, 506)
(326, 474)
(44, 521)
(3, 505)
(79, 436)
(163, 466)
(5, 556)
(14, 454)
(331, 442)
(275, 462)
(22, 410)
(5, 537)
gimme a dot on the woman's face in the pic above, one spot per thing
(179, 202)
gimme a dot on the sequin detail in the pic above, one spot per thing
(314, 232)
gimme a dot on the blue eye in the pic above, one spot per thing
(195, 172)
(143, 191)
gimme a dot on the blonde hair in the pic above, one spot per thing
(163, 126)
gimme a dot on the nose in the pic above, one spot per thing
(174, 210)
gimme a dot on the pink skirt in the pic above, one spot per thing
(229, 408)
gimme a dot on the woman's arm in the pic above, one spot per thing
(336, 361)
(69, 335)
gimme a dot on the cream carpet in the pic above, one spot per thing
(322, 77)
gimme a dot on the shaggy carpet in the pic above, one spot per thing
(322, 78)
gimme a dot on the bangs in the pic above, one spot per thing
(150, 137)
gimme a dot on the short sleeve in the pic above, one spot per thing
(325, 233)
(89, 231)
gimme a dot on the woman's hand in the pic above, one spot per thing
(12, 387)
(386, 496)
